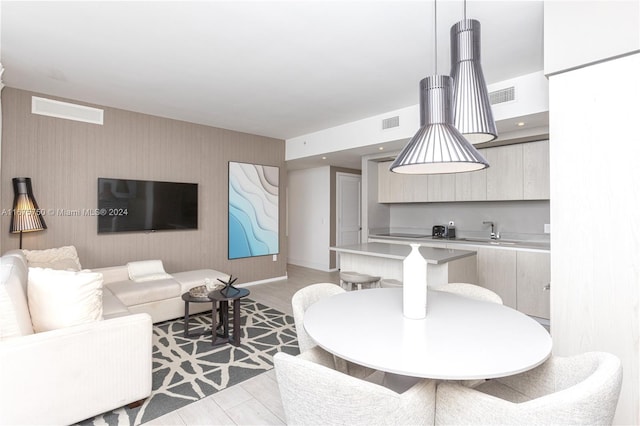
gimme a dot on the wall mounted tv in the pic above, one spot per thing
(142, 205)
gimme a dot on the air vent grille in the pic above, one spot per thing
(502, 95)
(65, 110)
(391, 122)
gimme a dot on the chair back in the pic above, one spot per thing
(314, 393)
(583, 389)
(304, 298)
(471, 291)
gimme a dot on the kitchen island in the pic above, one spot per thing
(385, 260)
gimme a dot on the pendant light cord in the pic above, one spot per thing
(465, 10)
(435, 33)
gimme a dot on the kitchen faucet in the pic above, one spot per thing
(494, 235)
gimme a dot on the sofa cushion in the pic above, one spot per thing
(59, 299)
(191, 279)
(136, 293)
(63, 258)
(15, 320)
(147, 270)
(112, 307)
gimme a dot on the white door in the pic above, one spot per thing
(349, 226)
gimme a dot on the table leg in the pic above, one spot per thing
(224, 308)
(236, 322)
(186, 319)
(213, 322)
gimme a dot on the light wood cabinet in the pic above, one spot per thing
(497, 272)
(441, 187)
(535, 159)
(533, 277)
(471, 186)
(400, 188)
(519, 277)
(516, 172)
(504, 176)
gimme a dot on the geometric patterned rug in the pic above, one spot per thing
(186, 370)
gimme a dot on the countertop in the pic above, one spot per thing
(468, 242)
(432, 255)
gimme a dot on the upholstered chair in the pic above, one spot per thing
(306, 297)
(313, 392)
(578, 390)
(472, 291)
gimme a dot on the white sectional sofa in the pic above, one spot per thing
(162, 299)
(66, 375)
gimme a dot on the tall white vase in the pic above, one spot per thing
(414, 284)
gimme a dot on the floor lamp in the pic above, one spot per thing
(26, 213)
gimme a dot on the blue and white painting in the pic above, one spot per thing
(253, 210)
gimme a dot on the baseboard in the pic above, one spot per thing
(268, 280)
(311, 265)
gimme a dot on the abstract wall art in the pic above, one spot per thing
(253, 210)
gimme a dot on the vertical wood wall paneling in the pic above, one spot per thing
(64, 159)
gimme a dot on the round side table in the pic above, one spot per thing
(223, 298)
(188, 298)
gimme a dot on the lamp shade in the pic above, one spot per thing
(437, 147)
(472, 114)
(26, 213)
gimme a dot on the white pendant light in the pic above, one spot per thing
(472, 113)
(438, 147)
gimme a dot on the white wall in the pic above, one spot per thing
(309, 217)
(531, 98)
(582, 32)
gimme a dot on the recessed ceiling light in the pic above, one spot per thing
(520, 124)
(381, 148)
(324, 158)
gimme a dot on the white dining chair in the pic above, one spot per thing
(300, 302)
(578, 390)
(472, 291)
(313, 392)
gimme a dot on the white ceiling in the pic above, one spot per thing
(279, 69)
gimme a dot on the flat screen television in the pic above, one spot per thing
(126, 205)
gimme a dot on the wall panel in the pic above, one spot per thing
(64, 159)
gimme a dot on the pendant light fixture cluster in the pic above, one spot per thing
(442, 144)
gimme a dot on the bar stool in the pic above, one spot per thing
(349, 278)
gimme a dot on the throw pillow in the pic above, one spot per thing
(65, 258)
(59, 299)
(147, 270)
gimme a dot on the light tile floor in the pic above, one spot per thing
(255, 401)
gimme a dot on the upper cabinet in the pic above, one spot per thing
(400, 188)
(516, 172)
(505, 173)
(535, 159)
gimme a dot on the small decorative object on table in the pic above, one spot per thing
(200, 291)
(229, 290)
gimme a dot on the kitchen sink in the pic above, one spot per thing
(486, 241)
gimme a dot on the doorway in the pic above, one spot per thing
(348, 210)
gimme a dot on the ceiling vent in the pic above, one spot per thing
(65, 110)
(503, 95)
(390, 123)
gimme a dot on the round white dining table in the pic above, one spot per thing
(460, 338)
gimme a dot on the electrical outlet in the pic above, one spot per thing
(275, 257)
(547, 228)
